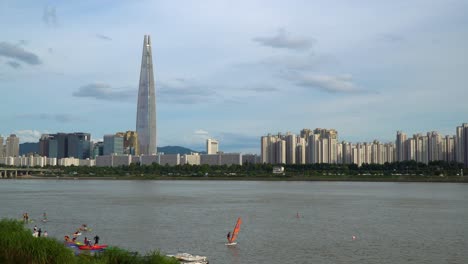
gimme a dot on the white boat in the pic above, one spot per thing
(189, 258)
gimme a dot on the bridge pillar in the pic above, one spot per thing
(16, 173)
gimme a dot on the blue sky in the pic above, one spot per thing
(235, 70)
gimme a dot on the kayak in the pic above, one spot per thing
(92, 247)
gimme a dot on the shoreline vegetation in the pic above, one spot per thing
(407, 171)
(17, 245)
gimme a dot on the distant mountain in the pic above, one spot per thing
(176, 150)
(25, 148)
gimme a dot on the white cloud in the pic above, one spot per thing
(28, 135)
(284, 40)
(200, 132)
(17, 52)
(329, 83)
(103, 91)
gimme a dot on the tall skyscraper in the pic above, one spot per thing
(146, 109)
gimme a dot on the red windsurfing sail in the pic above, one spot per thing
(235, 231)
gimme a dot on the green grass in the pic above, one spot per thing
(18, 246)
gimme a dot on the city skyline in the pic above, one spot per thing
(235, 72)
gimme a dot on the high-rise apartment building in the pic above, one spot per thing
(459, 144)
(301, 150)
(291, 145)
(12, 146)
(146, 109)
(281, 151)
(434, 145)
(212, 146)
(2, 148)
(401, 146)
(465, 144)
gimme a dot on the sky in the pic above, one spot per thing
(235, 70)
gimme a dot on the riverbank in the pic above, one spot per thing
(342, 178)
(17, 245)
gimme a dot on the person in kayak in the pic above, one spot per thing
(228, 236)
(87, 242)
(96, 240)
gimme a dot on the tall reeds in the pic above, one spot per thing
(18, 246)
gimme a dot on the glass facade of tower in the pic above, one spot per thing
(146, 108)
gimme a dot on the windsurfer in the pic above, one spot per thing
(228, 236)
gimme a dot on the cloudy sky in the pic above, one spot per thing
(235, 70)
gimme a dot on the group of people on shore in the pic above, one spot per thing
(37, 232)
(77, 233)
(86, 241)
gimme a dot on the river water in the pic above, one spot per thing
(283, 222)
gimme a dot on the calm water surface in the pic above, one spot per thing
(392, 222)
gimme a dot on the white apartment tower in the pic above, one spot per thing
(12, 146)
(212, 146)
(291, 145)
(2, 148)
(401, 146)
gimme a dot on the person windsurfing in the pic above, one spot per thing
(228, 236)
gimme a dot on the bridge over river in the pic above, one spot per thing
(12, 173)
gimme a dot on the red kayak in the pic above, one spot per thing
(92, 247)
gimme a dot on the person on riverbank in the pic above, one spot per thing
(96, 240)
(67, 239)
(35, 228)
(45, 233)
(39, 232)
(25, 217)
